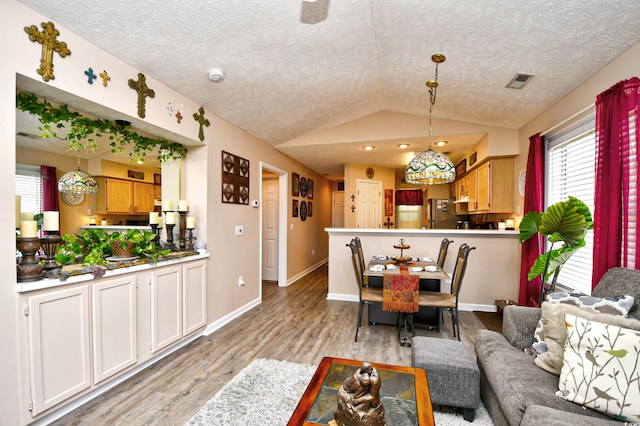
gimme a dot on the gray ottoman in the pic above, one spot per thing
(452, 373)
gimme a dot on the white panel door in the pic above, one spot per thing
(114, 326)
(368, 204)
(270, 228)
(337, 209)
(59, 346)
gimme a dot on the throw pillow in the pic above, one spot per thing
(600, 371)
(616, 305)
(555, 331)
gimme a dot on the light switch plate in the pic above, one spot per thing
(239, 230)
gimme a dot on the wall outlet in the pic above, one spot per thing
(240, 281)
(239, 230)
(313, 252)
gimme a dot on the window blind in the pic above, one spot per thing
(571, 172)
(29, 187)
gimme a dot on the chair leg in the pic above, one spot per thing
(359, 320)
(454, 314)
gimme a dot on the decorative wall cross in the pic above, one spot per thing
(143, 90)
(202, 121)
(105, 78)
(178, 117)
(90, 75)
(47, 38)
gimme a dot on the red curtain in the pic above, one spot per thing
(615, 236)
(49, 189)
(408, 197)
(533, 201)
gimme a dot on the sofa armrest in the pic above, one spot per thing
(518, 325)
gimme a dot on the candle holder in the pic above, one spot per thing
(170, 244)
(156, 230)
(182, 242)
(190, 240)
(29, 268)
(49, 244)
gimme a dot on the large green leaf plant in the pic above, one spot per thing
(565, 223)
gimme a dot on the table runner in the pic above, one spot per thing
(400, 291)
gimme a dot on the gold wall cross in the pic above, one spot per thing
(143, 90)
(202, 121)
(47, 38)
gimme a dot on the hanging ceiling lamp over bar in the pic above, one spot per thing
(431, 167)
(77, 182)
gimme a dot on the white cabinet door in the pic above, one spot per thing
(194, 296)
(59, 348)
(166, 307)
(113, 326)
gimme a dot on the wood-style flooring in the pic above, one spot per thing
(295, 323)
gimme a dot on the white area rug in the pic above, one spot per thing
(266, 393)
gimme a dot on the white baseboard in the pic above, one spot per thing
(306, 271)
(343, 297)
(230, 317)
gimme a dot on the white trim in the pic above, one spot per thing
(306, 271)
(283, 202)
(231, 316)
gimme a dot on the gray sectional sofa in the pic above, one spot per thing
(515, 390)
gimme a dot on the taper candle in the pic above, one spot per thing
(51, 221)
(191, 222)
(28, 229)
(171, 218)
(182, 206)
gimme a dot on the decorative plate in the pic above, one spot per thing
(521, 182)
(370, 172)
(72, 199)
(303, 187)
(303, 208)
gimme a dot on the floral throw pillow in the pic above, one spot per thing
(615, 305)
(601, 368)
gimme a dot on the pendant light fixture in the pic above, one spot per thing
(431, 167)
(77, 182)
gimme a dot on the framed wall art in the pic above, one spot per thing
(294, 208)
(303, 210)
(295, 184)
(309, 208)
(235, 179)
(388, 202)
(310, 189)
(304, 187)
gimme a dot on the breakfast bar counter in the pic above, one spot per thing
(493, 269)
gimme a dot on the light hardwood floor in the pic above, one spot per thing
(294, 323)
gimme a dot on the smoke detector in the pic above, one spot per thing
(216, 75)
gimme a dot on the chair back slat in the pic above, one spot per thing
(460, 268)
(357, 262)
(442, 254)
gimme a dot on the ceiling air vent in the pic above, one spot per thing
(519, 81)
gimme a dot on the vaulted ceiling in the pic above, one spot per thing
(294, 67)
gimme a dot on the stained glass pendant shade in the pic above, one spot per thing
(431, 167)
(77, 182)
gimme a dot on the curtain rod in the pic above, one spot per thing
(568, 119)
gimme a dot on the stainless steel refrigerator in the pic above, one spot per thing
(441, 214)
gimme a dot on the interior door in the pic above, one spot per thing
(337, 209)
(270, 228)
(368, 203)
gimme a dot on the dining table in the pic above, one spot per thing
(424, 267)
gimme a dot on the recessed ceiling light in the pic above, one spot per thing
(441, 143)
(403, 146)
(368, 147)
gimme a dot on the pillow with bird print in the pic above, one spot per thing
(601, 368)
(555, 331)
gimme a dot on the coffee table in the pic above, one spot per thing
(404, 394)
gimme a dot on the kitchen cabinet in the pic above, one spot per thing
(113, 321)
(492, 187)
(58, 346)
(194, 296)
(119, 196)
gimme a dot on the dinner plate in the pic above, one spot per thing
(431, 268)
(416, 268)
(390, 266)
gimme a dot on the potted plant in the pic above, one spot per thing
(566, 223)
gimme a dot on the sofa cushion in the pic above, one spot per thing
(614, 305)
(515, 379)
(600, 368)
(620, 281)
(555, 331)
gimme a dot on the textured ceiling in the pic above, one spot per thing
(294, 67)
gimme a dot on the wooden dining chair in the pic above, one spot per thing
(442, 254)
(449, 301)
(366, 295)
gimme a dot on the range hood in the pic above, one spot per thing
(463, 199)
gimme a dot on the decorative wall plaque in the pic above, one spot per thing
(235, 179)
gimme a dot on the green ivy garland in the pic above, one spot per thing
(83, 131)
